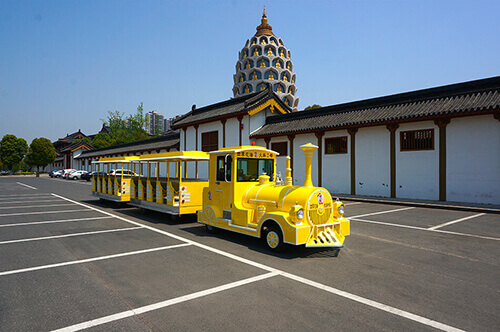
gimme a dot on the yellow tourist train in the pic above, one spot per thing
(233, 188)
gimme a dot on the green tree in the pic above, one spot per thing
(312, 107)
(101, 140)
(12, 150)
(85, 139)
(41, 153)
(127, 129)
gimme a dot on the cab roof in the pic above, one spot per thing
(235, 149)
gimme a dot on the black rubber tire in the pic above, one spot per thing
(211, 229)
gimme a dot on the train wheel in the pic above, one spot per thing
(211, 229)
(273, 238)
(208, 216)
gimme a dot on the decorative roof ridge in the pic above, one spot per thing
(170, 136)
(227, 102)
(446, 91)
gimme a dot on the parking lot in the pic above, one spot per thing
(71, 262)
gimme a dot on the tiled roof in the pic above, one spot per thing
(470, 97)
(162, 142)
(226, 108)
(76, 145)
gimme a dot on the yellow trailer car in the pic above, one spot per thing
(111, 178)
(170, 182)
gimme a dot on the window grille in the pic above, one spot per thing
(210, 141)
(417, 140)
(336, 145)
(281, 147)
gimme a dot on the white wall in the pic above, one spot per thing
(299, 162)
(473, 160)
(417, 172)
(190, 143)
(373, 161)
(280, 160)
(232, 132)
(337, 167)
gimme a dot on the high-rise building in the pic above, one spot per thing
(154, 124)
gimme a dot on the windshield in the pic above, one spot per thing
(250, 169)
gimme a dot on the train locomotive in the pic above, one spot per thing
(243, 198)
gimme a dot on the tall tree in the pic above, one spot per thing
(12, 150)
(312, 107)
(129, 129)
(41, 153)
(101, 140)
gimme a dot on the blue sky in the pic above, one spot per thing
(64, 64)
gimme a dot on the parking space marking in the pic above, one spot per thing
(354, 203)
(22, 184)
(40, 212)
(70, 235)
(381, 212)
(424, 229)
(164, 304)
(53, 221)
(94, 259)
(455, 221)
(88, 183)
(38, 201)
(353, 297)
(32, 206)
(23, 195)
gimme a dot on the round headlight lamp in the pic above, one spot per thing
(341, 209)
(300, 214)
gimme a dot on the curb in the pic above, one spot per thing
(425, 205)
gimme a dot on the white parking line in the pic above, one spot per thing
(24, 195)
(354, 203)
(41, 212)
(455, 221)
(22, 184)
(359, 299)
(381, 212)
(32, 206)
(53, 221)
(164, 304)
(425, 229)
(70, 235)
(81, 261)
(38, 201)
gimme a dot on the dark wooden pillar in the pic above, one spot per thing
(392, 127)
(352, 132)
(185, 143)
(442, 123)
(196, 137)
(267, 140)
(319, 136)
(291, 138)
(240, 119)
(223, 121)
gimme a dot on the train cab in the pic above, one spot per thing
(244, 196)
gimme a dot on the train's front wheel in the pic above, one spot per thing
(273, 238)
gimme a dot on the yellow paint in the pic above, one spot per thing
(245, 204)
(270, 103)
(114, 188)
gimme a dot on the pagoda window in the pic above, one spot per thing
(281, 42)
(270, 51)
(263, 40)
(262, 63)
(289, 65)
(285, 77)
(261, 87)
(248, 88)
(278, 63)
(279, 88)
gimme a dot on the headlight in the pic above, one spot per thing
(341, 209)
(300, 214)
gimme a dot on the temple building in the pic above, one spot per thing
(265, 60)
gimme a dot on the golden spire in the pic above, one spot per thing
(264, 28)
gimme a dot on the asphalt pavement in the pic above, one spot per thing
(69, 261)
